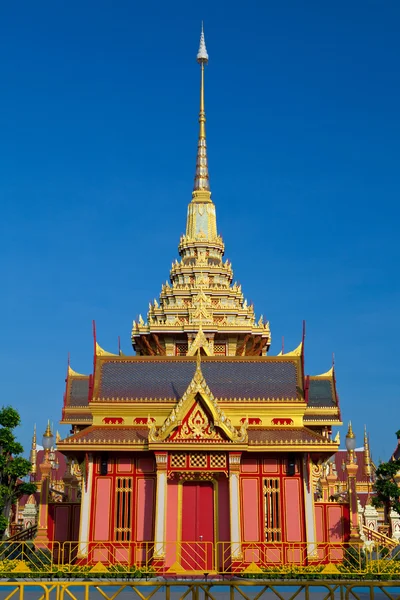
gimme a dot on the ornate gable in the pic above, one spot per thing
(200, 341)
(197, 416)
(197, 425)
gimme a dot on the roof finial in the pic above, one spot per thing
(202, 55)
(198, 361)
(367, 455)
(201, 180)
(350, 432)
(32, 456)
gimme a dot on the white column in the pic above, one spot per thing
(395, 523)
(371, 517)
(86, 507)
(161, 505)
(360, 519)
(309, 510)
(234, 505)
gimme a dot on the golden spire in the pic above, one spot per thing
(32, 457)
(350, 433)
(350, 444)
(198, 361)
(201, 180)
(367, 455)
(48, 433)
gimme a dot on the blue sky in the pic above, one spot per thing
(98, 121)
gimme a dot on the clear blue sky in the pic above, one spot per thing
(98, 126)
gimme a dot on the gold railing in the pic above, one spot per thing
(193, 590)
(173, 559)
(147, 557)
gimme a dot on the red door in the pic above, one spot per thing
(197, 526)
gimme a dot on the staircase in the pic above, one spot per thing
(379, 538)
(24, 535)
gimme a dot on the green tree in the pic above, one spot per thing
(13, 466)
(386, 486)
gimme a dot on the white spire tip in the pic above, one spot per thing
(202, 55)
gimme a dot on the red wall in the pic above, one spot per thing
(103, 519)
(332, 522)
(254, 469)
(64, 522)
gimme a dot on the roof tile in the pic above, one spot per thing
(78, 392)
(321, 393)
(225, 378)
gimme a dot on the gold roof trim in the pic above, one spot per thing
(101, 352)
(72, 373)
(327, 374)
(296, 352)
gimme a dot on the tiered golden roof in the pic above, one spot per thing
(237, 397)
(201, 293)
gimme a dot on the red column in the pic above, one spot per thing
(42, 539)
(351, 468)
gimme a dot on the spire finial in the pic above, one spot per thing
(32, 456)
(350, 432)
(367, 455)
(48, 432)
(198, 361)
(202, 55)
(201, 180)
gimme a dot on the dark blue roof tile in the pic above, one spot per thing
(321, 393)
(226, 379)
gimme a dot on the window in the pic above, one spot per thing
(181, 349)
(273, 532)
(220, 349)
(123, 509)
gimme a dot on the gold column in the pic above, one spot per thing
(331, 479)
(42, 538)
(351, 468)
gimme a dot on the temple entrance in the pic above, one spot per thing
(197, 526)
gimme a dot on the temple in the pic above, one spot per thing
(202, 450)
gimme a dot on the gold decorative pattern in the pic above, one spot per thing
(198, 426)
(200, 341)
(218, 461)
(193, 475)
(178, 460)
(220, 349)
(198, 460)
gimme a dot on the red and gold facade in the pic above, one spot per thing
(201, 445)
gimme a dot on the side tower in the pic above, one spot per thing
(200, 305)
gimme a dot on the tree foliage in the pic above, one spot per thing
(13, 466)
(386, 487)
